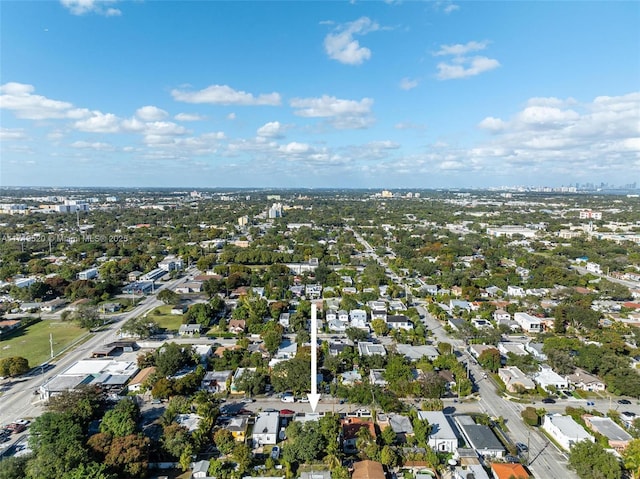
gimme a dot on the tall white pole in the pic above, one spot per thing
(51, 343)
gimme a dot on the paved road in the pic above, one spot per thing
(545, 460)
(18, 399)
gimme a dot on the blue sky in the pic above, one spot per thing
(319, 94)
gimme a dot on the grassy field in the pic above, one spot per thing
(162, 315)
(33, 342)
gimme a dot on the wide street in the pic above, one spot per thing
(545, 460)
(18, 399)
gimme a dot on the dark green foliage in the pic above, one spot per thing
(591, 461)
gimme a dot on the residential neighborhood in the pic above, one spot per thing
(457, 335)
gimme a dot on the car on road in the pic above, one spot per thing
(521, 447)
(549, 401)
(303, 399)
(624, 401)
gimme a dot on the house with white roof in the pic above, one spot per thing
(547, 377)
(565, 430)
(265, 429)
(528, 323)
(358, 318)
(442, 438)
(515, 291)
(414, 353)
(366, 348)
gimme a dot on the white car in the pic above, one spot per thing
(304, 399)
(287, 398)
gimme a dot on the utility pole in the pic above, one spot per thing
(51, 343)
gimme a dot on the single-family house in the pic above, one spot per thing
(515, 380)
(501, 315)
(216, 381)
(238, 426)
(414, 353)
(480, 437)
(237, 326)
(402, 426)
(618, 438)
(535, 349)
(350, 428)
(358, 318)
(442, 437)
(528, 323)
(265, 429)
(399, 321)
(580, 379)
(509, 471)
(200, 469)
(564, 430)
(547, 377)
(376, 377)
(189, 329)
(515, 291)
(366, 348)
(379, 314)
(139, 380)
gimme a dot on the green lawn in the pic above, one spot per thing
(33, 342)
(162, 315)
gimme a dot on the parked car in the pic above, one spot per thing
(287, 397)
(275, 452)
(549, 401)
(624, 401)
(521, 447)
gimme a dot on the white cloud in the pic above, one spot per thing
(151, 113)
(341, 46)
(408, 84)
(189, 117)
(383, 145)
(343, 114)
(99, 122)
(492, 124)
(408, 125)
(225, 95)
(19, 98)
(86, 145)
(273, 129)
(12, 134)
(461, 66)
(446, 6)
(294, 148)
(83, 7)
(327, 106)
(474, 66)
(452, 7)
(461, 49)
(231, 116)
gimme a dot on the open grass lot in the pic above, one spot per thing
(33, 341)
(162, 315)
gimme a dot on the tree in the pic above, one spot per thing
(122, 419)
(388, 436)
(172, 357)
(14, 467)
(174, 439)
(591, 461)
(200, 313)
(355, 334)
(631, 456)
(388, 457)
(490, 359)
(57, 442)
(83, 403)
(87, 317)
(242, 456)
(130, 455)
(379, 327)
(91, 470)
(14, 366)
(252, 382)
(292, 375)
(224, 440)
(168, 296)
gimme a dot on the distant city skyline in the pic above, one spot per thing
(355, 94)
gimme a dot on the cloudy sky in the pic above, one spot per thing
(319, 94)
